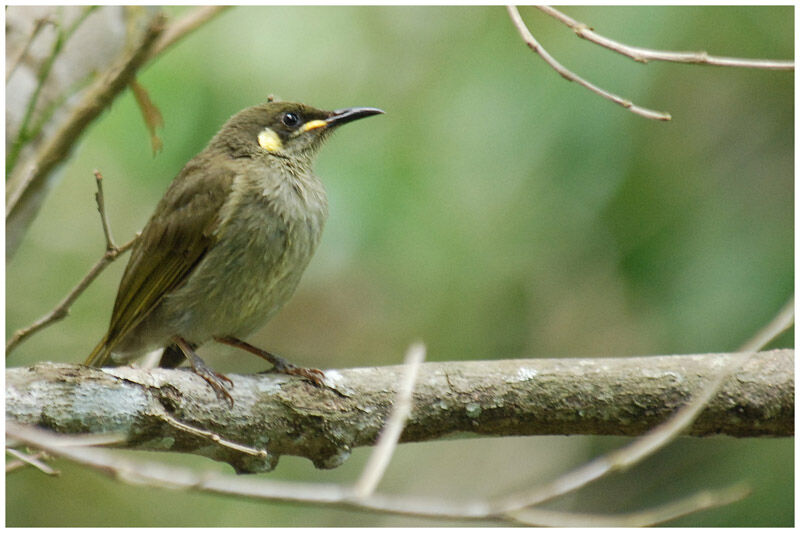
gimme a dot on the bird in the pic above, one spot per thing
(228, 242)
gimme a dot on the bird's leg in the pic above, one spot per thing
(280, 364)
(216, 381)
(172, 357)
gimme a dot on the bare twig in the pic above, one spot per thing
(782, 321)
(24, 459)
(24, 134)
(168, 476)
(101, 208)
(213, 437)
(534, 45)
(387, 442)
(24, 188)
(643, 55)
(37, 27)
(677, 424)
(97, 98)
(183, 26)
(62, 309)
(87, 440)
(656, 438)
(26, 185)
(706, 499)
(56, 103)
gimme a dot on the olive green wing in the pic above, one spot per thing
(173, 242)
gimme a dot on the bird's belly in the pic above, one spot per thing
(242, 281)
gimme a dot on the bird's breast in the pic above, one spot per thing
(262, 246)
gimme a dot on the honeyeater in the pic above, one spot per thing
(227, 244)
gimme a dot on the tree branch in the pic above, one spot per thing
(60, 311)
(568, 75)
(282, 415)
(26, 186)
(339, 495)
(390, 435)
(11, 66)
(24, 133)
(34, 460)
(654, 439)
(644, 55)
(30, 182)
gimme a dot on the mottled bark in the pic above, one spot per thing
(174, 410)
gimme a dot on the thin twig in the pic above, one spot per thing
(387, 441)
(24, 133)
(643, 55)
(58, 102)
(666, 432)
(706, 499)
(62, 309)
(34, 460)
(24, 187)
(172, 477)
(177, 424)
(534, 45)
(656, 438)
(782, 321)
(101, 208)
(86, 440)
(37, 27)
(98, 96)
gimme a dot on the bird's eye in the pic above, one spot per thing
(290, 119)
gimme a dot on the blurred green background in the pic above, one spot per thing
(495, 211)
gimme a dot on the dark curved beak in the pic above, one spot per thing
(343, 116)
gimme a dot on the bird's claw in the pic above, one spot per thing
(314, 375)
(219, 383)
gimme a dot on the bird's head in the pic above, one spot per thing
(282, 129)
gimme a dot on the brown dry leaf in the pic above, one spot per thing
(150, 113)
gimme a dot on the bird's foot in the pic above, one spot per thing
(219, 383)
(279, 364)
(282, 366)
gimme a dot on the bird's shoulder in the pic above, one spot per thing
(177, 236)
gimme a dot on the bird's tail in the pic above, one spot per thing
(100, 354)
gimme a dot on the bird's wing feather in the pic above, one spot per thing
(173, 242)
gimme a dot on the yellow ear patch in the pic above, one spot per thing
(314, 124)
(269, 140)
